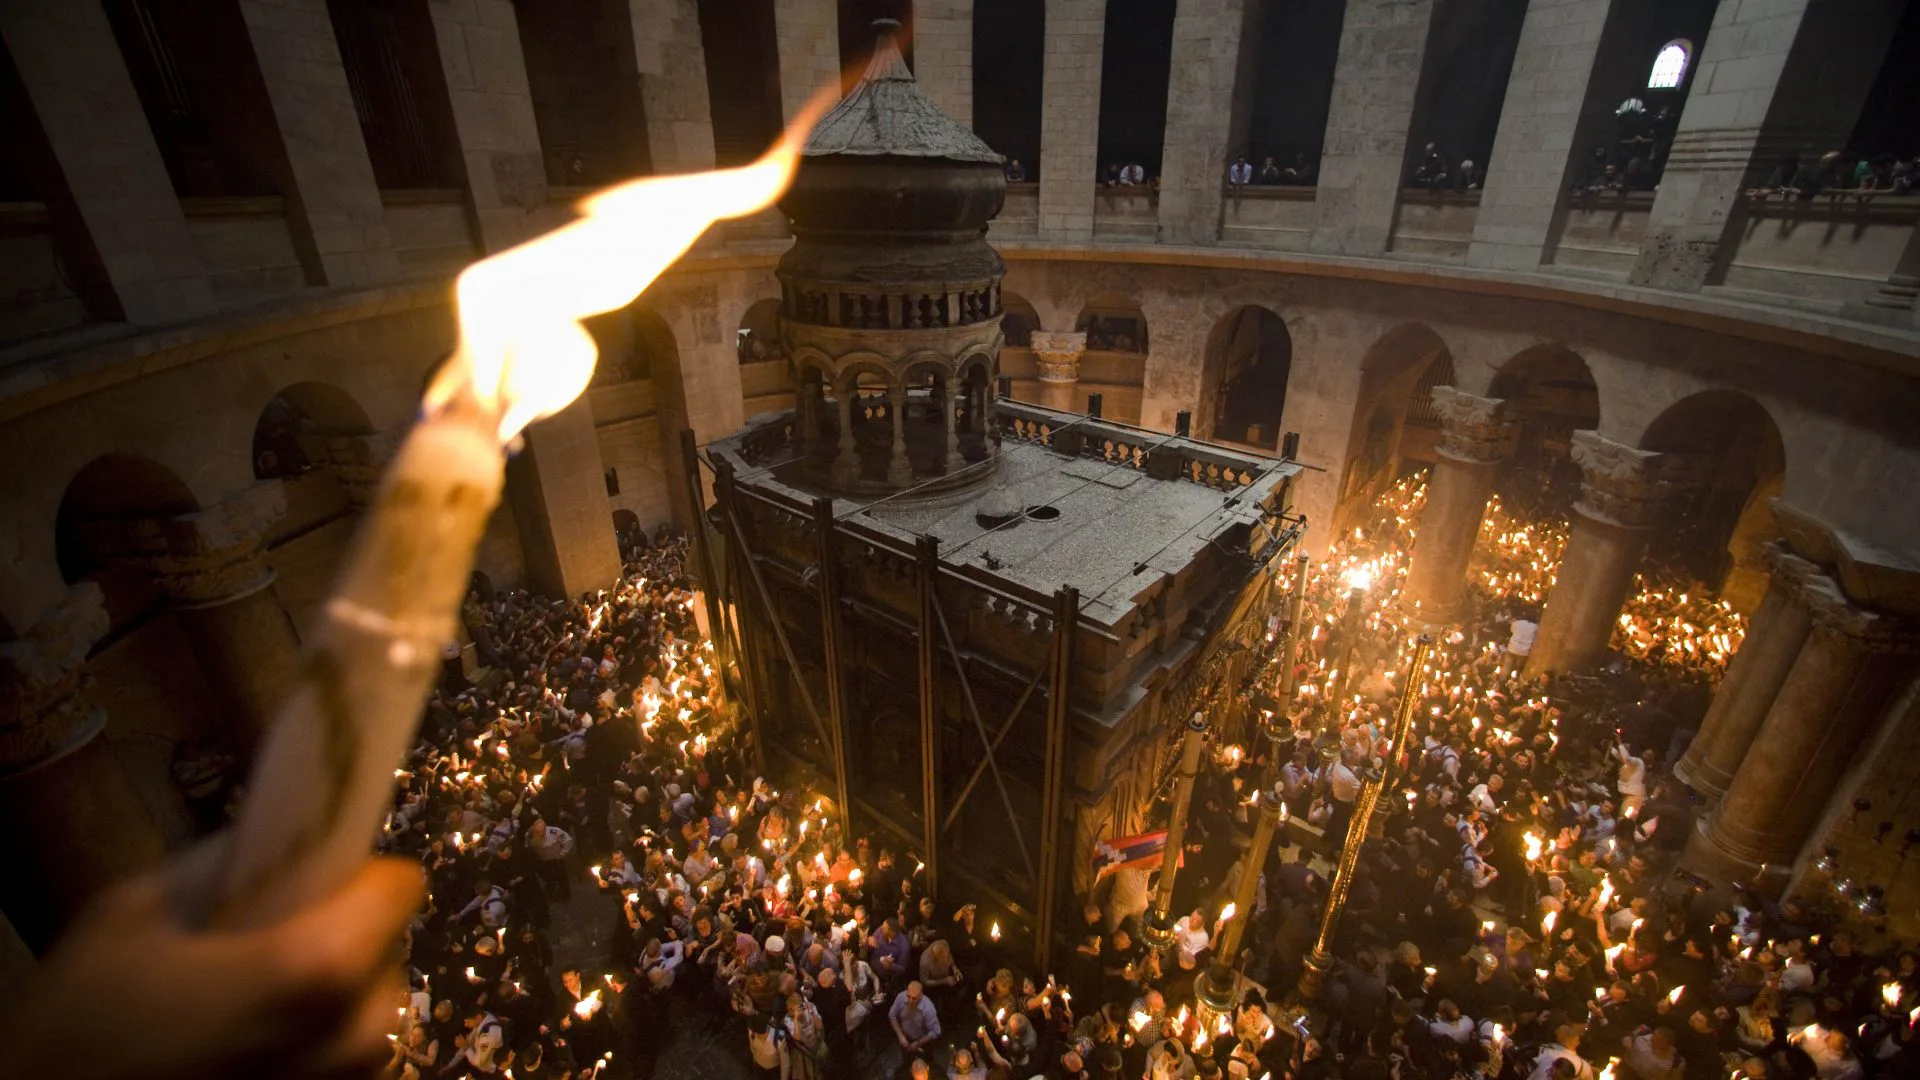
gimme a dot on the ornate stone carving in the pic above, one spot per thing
(212, 556)
(42, 712)
(1620, 485)
(1474, 428)
(1057, 354)
(1837, 614)
(356, 460)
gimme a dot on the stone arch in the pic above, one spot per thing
(1727, 456)
(1113, 322)
(1243, 387)
(758, 339)
(634, 343)
(289, 436)
(1553, 394)
(850, 368)
(101, 500)
(1393, 426)
(1018, 319)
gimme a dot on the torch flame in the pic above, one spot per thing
(1890, 993)
(523, 352)
(1227, 913)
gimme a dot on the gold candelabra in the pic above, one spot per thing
(1315, 970)
(1157, 931)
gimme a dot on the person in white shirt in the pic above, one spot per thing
(1447, 1023)
(1241, 172)
(1520, 635)
(1483, 797)
(1132, 173)
(1632, 782)
(1566, 1047)
(1190, 938)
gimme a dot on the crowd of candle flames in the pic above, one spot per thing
(683, 715)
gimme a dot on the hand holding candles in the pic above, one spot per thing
(324, 775)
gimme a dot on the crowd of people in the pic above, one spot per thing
(1518, 916)
(1300, 172)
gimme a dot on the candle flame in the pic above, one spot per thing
(1890, 993)
(1673, 997)
(523, 352)
(994, 932)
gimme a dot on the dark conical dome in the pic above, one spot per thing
(886, 115)
(890, 299)
(887, 162)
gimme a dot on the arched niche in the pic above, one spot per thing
(1728, 458)
(1554, 395)
(758, 338)
(1018, 320)
(1394, 426)
(1113, 323)
(99, 505)
(288, 437)
(1243, 394)
(634, 343)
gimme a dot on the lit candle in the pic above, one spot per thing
(326, 763)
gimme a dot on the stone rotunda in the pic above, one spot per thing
(890, 295)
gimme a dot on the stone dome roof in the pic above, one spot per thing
(887, 115)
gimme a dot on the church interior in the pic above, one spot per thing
(960, 538)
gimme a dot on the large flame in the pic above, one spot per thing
(523, 352)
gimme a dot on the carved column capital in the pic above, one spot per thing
(356, 460)
(1057, 353)
(1864, 629)
(1787, 567)
(43, 713)
(215, 555)
(1474, 428)
(1619, 484)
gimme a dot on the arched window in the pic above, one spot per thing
(1670, 67)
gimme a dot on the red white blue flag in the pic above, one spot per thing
(1128, 853)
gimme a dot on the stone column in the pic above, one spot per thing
(943, 55)
(1057, 353)
(1476, 434)
(559, 490)
(1383, 45)
(807, 35)
(899, 466)
(75, 823)
(1755, 676)
(846, 460)
(333, 200)
(486, 73)
(1893, 302)
(1070, 117)
(1566, 71)
(1207, 38)
(1833, 698)
(1622, 492)
(950, 391)
(1789, 76)
(673, 84)
(212, 566)
(140, 264)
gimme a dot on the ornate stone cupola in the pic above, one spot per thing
(890, 295)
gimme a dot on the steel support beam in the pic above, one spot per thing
(830, 637)
(1053, 800)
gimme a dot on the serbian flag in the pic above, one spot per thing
(1128, 853)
